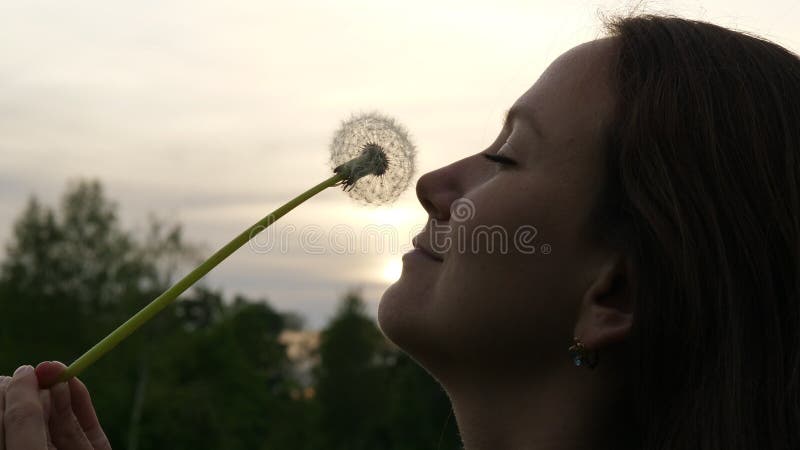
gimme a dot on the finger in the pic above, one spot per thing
(4, 380)
(47, 402)
(81, 403)
(84, 411)
(23, 416)
(65, 430)
(44, 396)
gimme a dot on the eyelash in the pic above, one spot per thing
(500, 159)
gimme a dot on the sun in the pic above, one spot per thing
(392, 270)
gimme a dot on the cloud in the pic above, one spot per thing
(212, 114)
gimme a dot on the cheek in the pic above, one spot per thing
(513, 260)
(497, 309)
(499, 288)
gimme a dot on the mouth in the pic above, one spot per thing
(425, 251)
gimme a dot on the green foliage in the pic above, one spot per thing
(204, 373)
(373, 397)
(348, 378)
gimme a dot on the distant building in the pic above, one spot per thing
(301, 349)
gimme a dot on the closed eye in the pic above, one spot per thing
(500, 159)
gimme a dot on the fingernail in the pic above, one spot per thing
(22, 371)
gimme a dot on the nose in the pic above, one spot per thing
(438, 189)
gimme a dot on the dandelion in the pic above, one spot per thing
(375, 133)
(373, 161)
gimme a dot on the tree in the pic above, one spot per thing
(371, 394)
(349, 391)
(418, 411)
(62, 268)
(73, 274)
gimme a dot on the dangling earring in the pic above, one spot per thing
(581, 356)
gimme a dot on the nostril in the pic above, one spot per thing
(428, 206)
(423, 191)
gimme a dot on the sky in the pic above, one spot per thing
(212, 114)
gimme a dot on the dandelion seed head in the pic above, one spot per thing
(386, 162)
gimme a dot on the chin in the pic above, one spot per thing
(405, 318)
(393, 312)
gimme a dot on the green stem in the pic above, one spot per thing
(146, 313)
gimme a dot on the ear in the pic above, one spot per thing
(606, 312)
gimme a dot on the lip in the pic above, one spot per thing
(422, 250)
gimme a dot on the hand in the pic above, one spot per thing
(61, 417)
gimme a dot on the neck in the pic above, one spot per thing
(570, 409)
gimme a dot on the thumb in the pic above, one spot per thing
(48, 372)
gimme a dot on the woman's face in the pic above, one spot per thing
(510, 263)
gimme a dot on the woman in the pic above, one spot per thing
(662, 166)
(645, 193)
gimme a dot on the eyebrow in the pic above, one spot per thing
(530, 117)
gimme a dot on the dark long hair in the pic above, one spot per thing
(704, 195)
